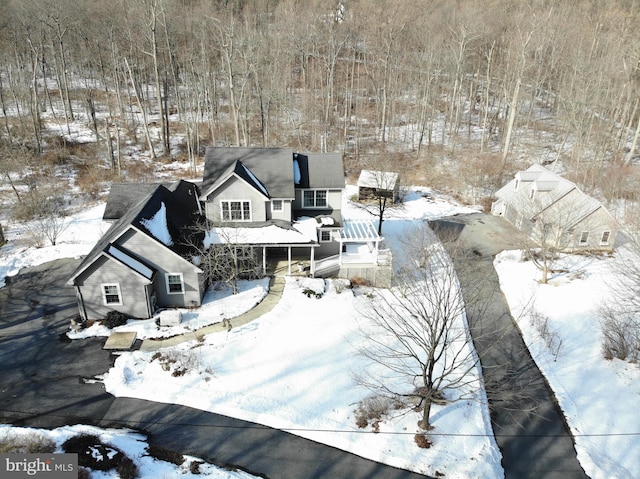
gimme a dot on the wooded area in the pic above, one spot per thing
(459, 94)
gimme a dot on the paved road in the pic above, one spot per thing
(529, 426)
(43, 384)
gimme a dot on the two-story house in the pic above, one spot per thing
(277, 204)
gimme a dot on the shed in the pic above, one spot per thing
(374, 184)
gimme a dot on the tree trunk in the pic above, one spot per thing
(425, 422)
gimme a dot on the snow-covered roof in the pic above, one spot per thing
(301, 232)
(130, 261)
(157, 226)
(385, 180)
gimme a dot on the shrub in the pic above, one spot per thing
(308, 292)
(620, 336)
(358, 281)
(84, 473)
(33, 443)
(372, 409)
(164, 454)
(115, 319)
(194, 467)
(93, 453)
(423, 441)
(127, 469)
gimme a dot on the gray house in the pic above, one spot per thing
(141, 263)
(549, 208)
(271, 202)
(283, 204)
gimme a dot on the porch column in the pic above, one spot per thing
(289, 257)
(264, 260)
(312, 262)
(340, 256)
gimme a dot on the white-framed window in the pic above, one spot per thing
(111, 294)
(277, 205)
(175, 283)
(314, 198)
(325, 236)
(236, 210)
(517, 184)
(606, 235)
(584, 237)
(532, 194)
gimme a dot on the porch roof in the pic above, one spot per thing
(359, 231)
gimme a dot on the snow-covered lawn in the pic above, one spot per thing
(132, 444)
(293, 367)
(599, 398)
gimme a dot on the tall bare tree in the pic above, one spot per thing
(418, 333)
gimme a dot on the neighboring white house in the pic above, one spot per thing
(542, 204)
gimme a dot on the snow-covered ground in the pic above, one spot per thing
(132, 444)
(599, 398)
(293, 367)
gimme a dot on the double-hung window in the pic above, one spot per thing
(605, 237)
(277, 205)
(584, 237)
(236, 210)
(175, 283)
(314, 199)
(111, 294)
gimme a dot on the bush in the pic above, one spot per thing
(115, 319)
(308, 292)
(620, 336)
(84, 473)
(194, 467)
(423, 441)
(372, 409)
(33, 443)
(127, 469)
(164, 454)
(93, 453)
(358, 281)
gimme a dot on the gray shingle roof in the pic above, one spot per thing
(181, 202)
(273, 167)
(122, 196)
(321, 170)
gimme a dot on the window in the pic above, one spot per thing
(605, 237)
(325, 236)
(175, 283)
(584, 237)
(236, 210)
(111, 294)
(517, 184)
(277, 205)
(314, 199)
(532, 194)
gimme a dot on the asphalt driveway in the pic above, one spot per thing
(529, 426)
(46, 381)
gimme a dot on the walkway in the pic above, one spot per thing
(276, 287)
(527, 422)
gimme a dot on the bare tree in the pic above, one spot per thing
(419, 335)
(222, 254)
(619, 314)
(378, 193)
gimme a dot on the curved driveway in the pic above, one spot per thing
(45, 381)
(527, 421)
